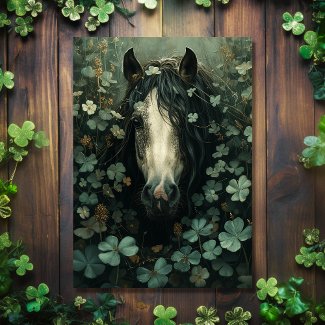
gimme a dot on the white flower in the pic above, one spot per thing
(77, 93)
(152, 70)
(83, 212)
(89, 107)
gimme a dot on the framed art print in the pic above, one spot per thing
(162, 162)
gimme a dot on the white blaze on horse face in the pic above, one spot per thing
(158, 150)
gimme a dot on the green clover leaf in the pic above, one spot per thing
(307, 51)
(40, 139)
(222, 267)
(86, 199)
(269, 312)
(91, 24)
(4, 241)
(311, 236)
(34, 7)
(308, 318)
(215, 100)
(164, 315)
(24, 26)
(222, 150)
(72, 11)
(293, 23)
(90, 227)
(211, 250)
(149, 4)
(320, 310)
(248, 132)
(21, 135)
(199, 228)
(239, 188)
(234, 235)
(207, 316)
(18, 153)
(6, 79)
(320, 260)
(4, 20)
(102, 10)
(116, 172)
(317, 78)
(197, 199)
(306, 257)
(184, 258)
(243, 68)
(210, 190)
(267, 288)
(87, 163)
(156, 278)
(18, 6)
(106, 79)
(23, 265)
(204, 3)
(237, 316)
(5, 211)
(88, 262)
(198, 276)
(37, 295)
(113, 249)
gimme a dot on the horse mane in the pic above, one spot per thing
(172, 96)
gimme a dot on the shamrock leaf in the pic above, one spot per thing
(239, 188)
(18, 153)
(320, 260)
(40, 139)
(24, 26)
(21, 135)
(91, 24)
(18, 6)
(308, 318)
(117, 132)
(184, 258)
(266, 288)
(211, 250)
(222, 150)
(91, 226)
(72, 11)
(91, 199)
(150, 4)
(88, 262)
(192, 117)
(116, 172)
(293, 23)
(311, 236)
(102, 10)
(4, 21)
(204, 3)
(307, 51)
(199, 275)
(157, 277)
(106, 79)
(4, 241)
(215, 100)
(113, 249)
(237, 316)
(164, 315)
(234, 235)
(87, 163)
(34, 7)
(78, 301)
(210, 190)
(199, 228)
(207, 316)
(243, 68)
(88, 72)
(6, 79)
(222, 267)
(197, 199)
(5, 211)
(37, 295)
(306, 257)
(97, 123)
(23, 265)
(248, 133)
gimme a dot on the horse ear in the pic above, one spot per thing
(188, 66)
(131, 67)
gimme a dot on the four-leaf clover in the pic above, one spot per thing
(23, 265)
(207, 316)
(199, 228)
(237, 316)
(150, 4)
(19, 6)
(184, 258)
(102, 10)
(293, 23)
(24, 26)
(72, 11)
(164, 315)
(6, 79)
(34, 7)
(5, 211)
(22, 135)
(266, 288)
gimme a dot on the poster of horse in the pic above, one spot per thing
(162, 162)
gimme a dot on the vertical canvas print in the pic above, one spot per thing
(162, 162)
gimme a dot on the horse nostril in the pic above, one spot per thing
(173, 194)
(146, 195)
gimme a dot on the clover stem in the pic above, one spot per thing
(117, 274)
(200, 244)
(14, 172)
(245, 255)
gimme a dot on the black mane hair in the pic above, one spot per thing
(172, 97)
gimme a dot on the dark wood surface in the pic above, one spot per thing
(286, 198)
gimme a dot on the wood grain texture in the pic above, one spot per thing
(247, 18)
(290, 117)
(35, 216)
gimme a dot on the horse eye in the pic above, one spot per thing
(137, 122)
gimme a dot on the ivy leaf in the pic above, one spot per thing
(6, 79)
(269, 312)
(88, 262)
(5, 211)
(266, 288)
(235, 233)
(40, 139)
(164, 315)
(21, 135)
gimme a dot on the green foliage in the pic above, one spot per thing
(23, 265)
(207, 316)
(317, 78)
(204, 3)
(102, 10)
(4, 21)
(266, 288)
(239, 188)
(5, 210)
(36, 297)
(72, 11)
(237, 316)
(24, 26)
(314, 154)
(164, 315)
(293, 23)
(23, 135)
(149, 4)
(6, 79)
(34, 7)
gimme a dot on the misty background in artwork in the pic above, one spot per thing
(162, 162)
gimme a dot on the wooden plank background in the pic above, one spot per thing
(286, 197)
